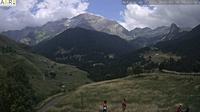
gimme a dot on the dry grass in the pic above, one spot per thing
(144, 93)
(158, 56)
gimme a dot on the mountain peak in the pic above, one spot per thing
(89, 15)
(98, 23)
(173, 25)
(173, 32)
(197, 28)
(174, 28)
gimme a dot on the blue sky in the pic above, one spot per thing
(108, 8)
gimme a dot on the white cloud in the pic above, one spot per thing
(34, 13)
(143, 16)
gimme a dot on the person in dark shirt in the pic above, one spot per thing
(105, 107)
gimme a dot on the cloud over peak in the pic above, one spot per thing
(38, 12)
(158, 15)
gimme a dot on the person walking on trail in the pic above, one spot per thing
(179, 109)
(124, 105)
(105, 107)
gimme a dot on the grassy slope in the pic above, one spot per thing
(36, 66)
(145, 93)
(159, 56)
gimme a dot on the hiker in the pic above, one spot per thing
(124, 105)
(105, 107)
(179, 109)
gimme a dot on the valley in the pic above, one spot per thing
(74, 64)
(47, 77)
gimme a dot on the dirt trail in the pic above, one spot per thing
(51, 103)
